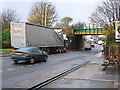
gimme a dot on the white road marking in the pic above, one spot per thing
(20, 67)
(1, 61)
(36, 64)
(10, 69)
(65, 58)
(29, 65)
(0, 71)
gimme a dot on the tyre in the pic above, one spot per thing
(45, 59)
(65, 51)
(15, 62)
(32, 60)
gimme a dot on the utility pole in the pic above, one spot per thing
(46, 10)
(45, 13)
(42, 16)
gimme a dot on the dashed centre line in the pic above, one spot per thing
(20, 67)
(29, 65)
(11, 69)
(36, 64)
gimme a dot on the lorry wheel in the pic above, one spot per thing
(65, 51)
(45, 59)
(32, 61)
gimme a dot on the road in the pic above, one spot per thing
(23, 75)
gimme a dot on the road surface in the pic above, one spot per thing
(24, 75)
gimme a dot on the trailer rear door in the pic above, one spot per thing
(18, 34)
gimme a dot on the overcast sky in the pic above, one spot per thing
(79, 10)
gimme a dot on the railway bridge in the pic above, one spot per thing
(77, 37)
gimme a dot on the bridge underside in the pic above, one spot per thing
(77, 42)
(77, 38)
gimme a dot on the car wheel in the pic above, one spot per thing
(15, 62)
(45, 59)
(32, 61)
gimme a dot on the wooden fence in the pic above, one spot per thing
(112, 51)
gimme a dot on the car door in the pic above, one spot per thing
(37, 54)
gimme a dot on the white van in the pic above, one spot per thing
(87, 45)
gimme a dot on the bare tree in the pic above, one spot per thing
(78, 25)
(42, 13)
(64, 25)
(105, 13)
(0, 21)
(7, 16)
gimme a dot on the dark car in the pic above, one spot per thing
(29, 54)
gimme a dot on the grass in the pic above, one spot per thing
(6, 50)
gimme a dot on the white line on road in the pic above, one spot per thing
(29, 65)
(36, 64)
(20, 67)
(0, 71)
(65, 58)
(11, 69)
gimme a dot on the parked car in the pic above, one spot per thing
(29, 54)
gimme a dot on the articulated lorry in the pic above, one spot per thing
(26, 34)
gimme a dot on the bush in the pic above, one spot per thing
(110, 39)
(6, 38)
(6, 35)
(6, 44)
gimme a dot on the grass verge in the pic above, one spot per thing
(6, 50)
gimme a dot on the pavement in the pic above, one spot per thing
(91, 75)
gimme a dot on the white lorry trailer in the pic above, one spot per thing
(25, 34)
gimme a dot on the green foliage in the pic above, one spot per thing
(42, 13)
(6, 50)
(0, 38)
(6, 36)
(66, 20)
(0, 34)
(110, 39)
(64, 25)
(114, 44)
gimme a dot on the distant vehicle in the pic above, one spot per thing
(29, 54)
(25, 34)
(100, 42)
(87, 45)
(92, 45)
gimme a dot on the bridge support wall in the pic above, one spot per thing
(77, 42)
